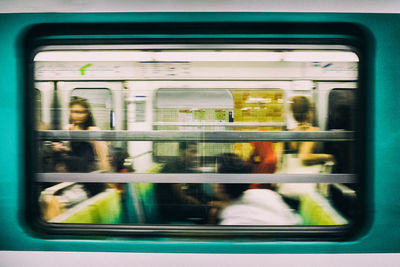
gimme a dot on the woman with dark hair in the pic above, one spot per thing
(81, 118)
(251, 206)
(83, 156)
(303, 113)
(79, 157)
(80, 115)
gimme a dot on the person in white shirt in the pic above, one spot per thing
(251, 206)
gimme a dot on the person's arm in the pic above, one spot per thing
(279, 151)
(306, 154)
(101, 150)
(62, 146)
(177, 190)
(183, 196)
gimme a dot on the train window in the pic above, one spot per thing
(239, 139)
(100, 101)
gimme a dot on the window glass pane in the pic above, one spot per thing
(136, 203)
(198, 137)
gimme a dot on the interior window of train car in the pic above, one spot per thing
(241, 139)
(100, 100)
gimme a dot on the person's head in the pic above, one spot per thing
(118, 159)
(232, 163)
(80, 113)
(302, 108)
(188, 152)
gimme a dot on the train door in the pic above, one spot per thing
(336, 105)
(336, 102)
(43, 103)
(327, 92)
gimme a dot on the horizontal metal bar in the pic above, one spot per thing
(229, 124)
(195, 178)
(199, 136)
(278, 232)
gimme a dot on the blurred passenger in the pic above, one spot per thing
(81, 118)
(178, 201)
(119, 161)
(263, 160)
(120, 164)
(303, 113)
(83, 156)
(251, 206)
(263, 157)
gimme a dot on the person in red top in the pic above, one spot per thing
(263, 160)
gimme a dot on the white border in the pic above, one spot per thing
(107, 259)
(336, 6)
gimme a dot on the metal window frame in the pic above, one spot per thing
(346, 34)
(200, 136)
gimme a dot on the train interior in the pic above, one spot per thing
(147, 91)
